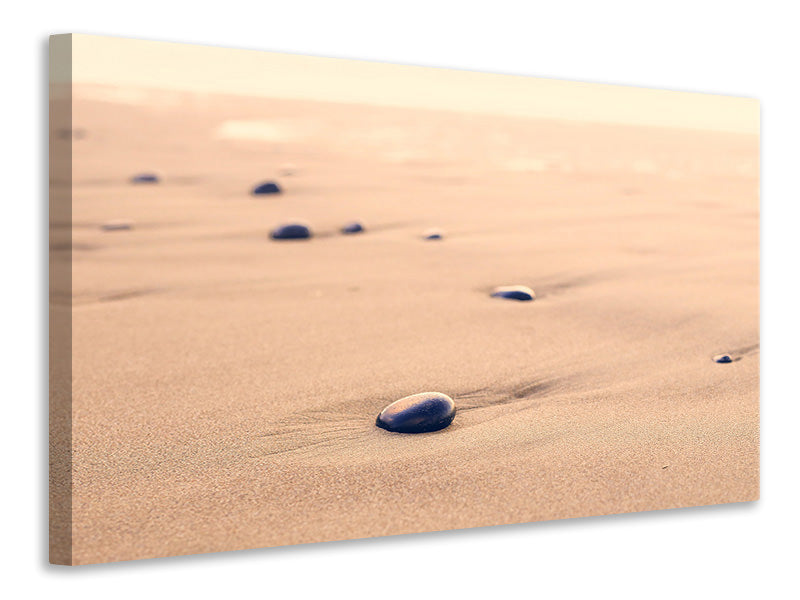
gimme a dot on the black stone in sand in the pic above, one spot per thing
(145, 178)
(117, 226)
(291, 231)
(420, 413)
(514, 292)
(723, 358)
(433, 234)
(354, 227)
(268, 187)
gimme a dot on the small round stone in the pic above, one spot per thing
(433, 234)
(268, 187)
(723, 358)
(145, 178)
(354, 227)
(291, 231)
(116, 226)
(420, 413)
(514, 292)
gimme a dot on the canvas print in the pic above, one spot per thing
(300, 299)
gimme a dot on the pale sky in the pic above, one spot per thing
(170, 66)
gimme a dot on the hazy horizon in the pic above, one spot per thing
(192, 68)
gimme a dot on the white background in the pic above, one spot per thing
(738, 48)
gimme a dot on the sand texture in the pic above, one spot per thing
(225, 386)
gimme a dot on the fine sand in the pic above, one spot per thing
(225, 386)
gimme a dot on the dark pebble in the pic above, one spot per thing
(723, 358)
(433, 234)
(291, 231)
(420, 413)
(145, 178)
(117, 226)
(514, 292)
(268, 187)
(354, 227)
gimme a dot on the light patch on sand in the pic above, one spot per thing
(529, 164)
(275, 130)
(130, 95)
(645, 167)
(747, 169)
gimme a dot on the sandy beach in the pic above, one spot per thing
(225, 386)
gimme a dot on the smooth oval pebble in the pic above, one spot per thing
(268, 187)
(291, 231)
(116, 226)
(354, 227)
(723, 358)
(420, 413)
(433, 234)
(145, 178)
(514, 292)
